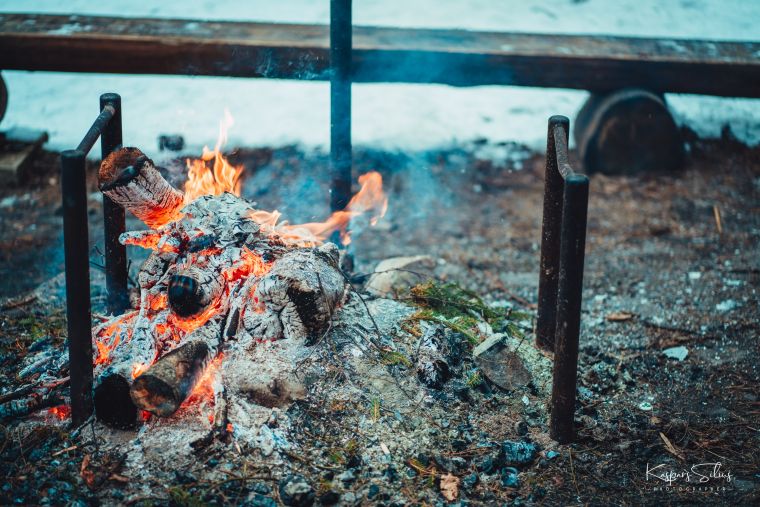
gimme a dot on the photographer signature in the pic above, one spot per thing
(699, 473)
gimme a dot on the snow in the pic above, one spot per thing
(390, 116)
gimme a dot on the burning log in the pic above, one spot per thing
(166, 384)
(131, 179)
(302, 291)
(193, 290)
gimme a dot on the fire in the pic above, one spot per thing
(138, 369)
(250, 264)
(220, 177)
(369, 200)
(61, 412)
(204, 389)
(108, 339)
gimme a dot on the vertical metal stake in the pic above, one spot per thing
(550, 240)
(75, 244)
(340, 103)
(569, 296)
(113, 217)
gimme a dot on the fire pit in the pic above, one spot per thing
(221, 275)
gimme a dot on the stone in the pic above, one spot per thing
(678, 353)
(398, 274)
(500, 364)
(517, 453)
(510, 477)
(295, 491)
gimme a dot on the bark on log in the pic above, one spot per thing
(131, 179)
(166, 384)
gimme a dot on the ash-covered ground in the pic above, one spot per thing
(667, 376)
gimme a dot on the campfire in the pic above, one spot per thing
(221, 275)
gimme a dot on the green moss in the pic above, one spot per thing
(395, 358)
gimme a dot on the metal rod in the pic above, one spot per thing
(550, 239)
(105, 116)
(569, 296)
(75, 244)
(113, 216)
(340, 103)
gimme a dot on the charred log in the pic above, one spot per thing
(433, 368)
(299, 295)
(166, 384)
(192, 290)
(131, 179)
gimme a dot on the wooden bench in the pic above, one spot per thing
(452, 57)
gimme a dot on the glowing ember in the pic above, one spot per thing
(139, 369)
(108, 338)
(61, 412)
(220, 177)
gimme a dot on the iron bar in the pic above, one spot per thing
(78, 319)
(103, 119)
(569, 296)
(113, 215)
(550, 236)
(340, 103)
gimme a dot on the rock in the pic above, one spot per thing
(517, 453)
(398, 274)
(374, 489)
(470, 481)
(678, 353)
(257, 500)
(347, 477)
(501, 365)
(295, 491)
(510, 477)
(329, 497)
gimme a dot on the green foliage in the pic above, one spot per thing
(183, 498)
(474, 379)
(395, 358)
(460, 310)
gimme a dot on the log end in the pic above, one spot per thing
(155, 395)
(627, 132)
(113, 165)
(113, 404)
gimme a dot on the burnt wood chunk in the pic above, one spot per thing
(193, 289)
(165, 385)
(380, 54)
(130, 179)
(627, 132)
(298, 297)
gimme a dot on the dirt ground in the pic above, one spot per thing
(671, 266)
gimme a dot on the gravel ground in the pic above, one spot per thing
(664, 275)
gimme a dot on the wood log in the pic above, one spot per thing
(131, 179)
(380, 54)
(299, 295)
(136, 350)
(194, 289)
(165, 385)
(627, 132)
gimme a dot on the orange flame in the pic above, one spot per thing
(369, 199)
(108, 338)
(250, 264)
(220, 177)
(61, 412)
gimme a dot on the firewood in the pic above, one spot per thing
(131, 179)
(194, 289)
(166, 384)
(302, 292)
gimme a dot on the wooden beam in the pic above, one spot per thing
(453, 57)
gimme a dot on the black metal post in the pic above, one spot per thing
(113, 216)
(570, 289)
(340, 103)
(75, 243)
(550, 240)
